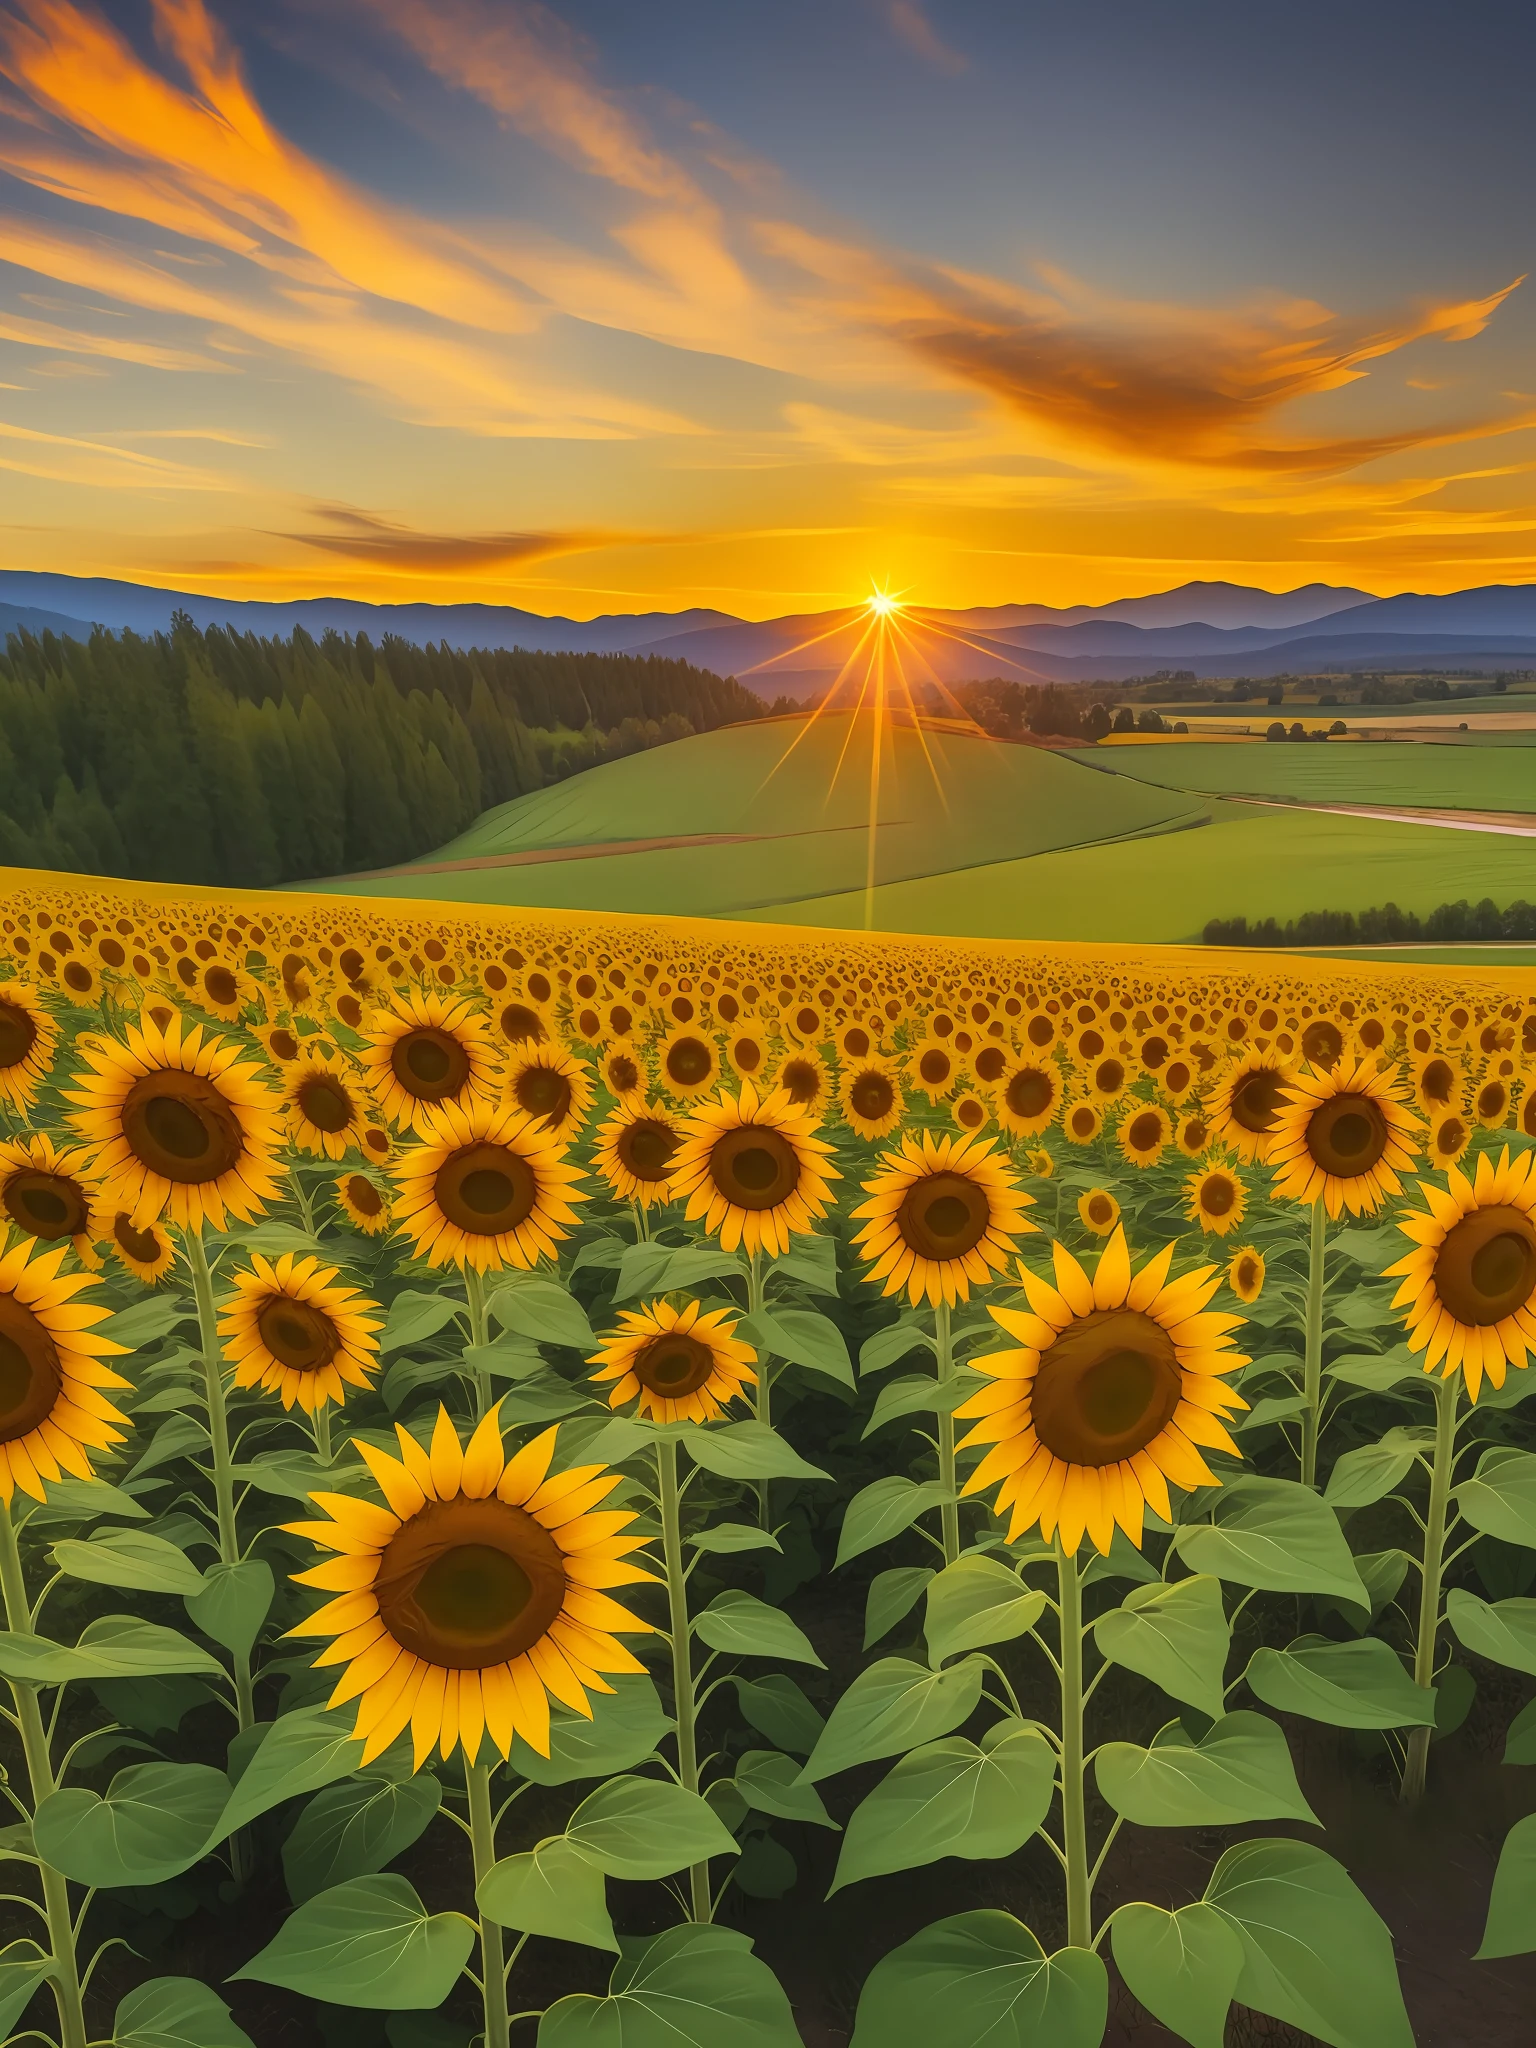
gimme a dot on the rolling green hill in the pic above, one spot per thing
(739, 820)
(983, 839)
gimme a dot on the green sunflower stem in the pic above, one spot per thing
(949, 1513)
(1312, 1370)
(642, 1222)
(479, 1334)
(683, 1704)
(1447, 1399)
(1074, 1816)
(34, 1744)
(304, 1201)
(763, 1405)
(322, 1421)
(493, 1965)
(218, 1436)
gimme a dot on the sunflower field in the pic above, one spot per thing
(543, 1456)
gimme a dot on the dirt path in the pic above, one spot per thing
(1511, 824)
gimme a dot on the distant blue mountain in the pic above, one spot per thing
(1215, 629)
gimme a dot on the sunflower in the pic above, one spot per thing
(1098, 1211)
(486, 1188)
(1081, 1122)
(1245, 1275)
(1437, 1084)
(475, 1596)
(1528, 1107)
(1322, 1043)
(427, 1053)
(870, 1096)
(1040, 1164)
(857, 1040)
(546, 1084)
(522, 1022)
(50, 1194)
(178, 1125)
(1028, 1096)
(1178, 1078)
(1192, 1134)
(364, 1204)
(804, 1079)
(52, 1409)
(688, 1063)
(327, 1110)
(1108, 1078)
(1491, 1103)
(1216, 1200)
(1469, 1289)
(636, 1147)
(623, 1069)
(746, 1047)
(1246, 1103)
(1449, 1137)
(943, 1213)
(1144, 1134)
(754, 1169)
(1040, 1031)
(1114, 1391)
(142, 1249)
(216, 986)
(290, 1330)
(685, 1365)
(28, 1036)
(79, 981)
(969, 1112)
(280, 1042)
(1340, 1139)
(933, 1067)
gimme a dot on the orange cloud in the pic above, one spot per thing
(364, 537)
(908, 22)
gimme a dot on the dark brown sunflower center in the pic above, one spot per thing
(1109, 1076)
(1101, 1210)
(935, 1067)
(299, 1336)
(1146, 1132)
(1437, 1081)
(1105, 1388)
(18, 1034)
(856, 1043)
(518, 1023)
(486, 1189)
(363, 1195)
(543, 1092)
(30, 1378)
(944, 1216)
(1347, 1135)
(1321, 1042)
(1218, 1194)
(646, 1148)
(747, 1055)
(1450, 1136)
(1030, 1092)
(674, 1365)
(1486, 1268)
(1040, 1031)
(429, 1064)
(470, 1583)
(1492, 1100)
(873, 1097)
(142, 1245)
(623, 1074)
(48, 1205)
(1084, 1122)
(222, 986)
(1197, 1133)
(1247, 1274)
(324, 1103)
(1154, 1053)
(990, 1062)
(180, 1126)
(283, 1045)
(802, 1080)
(1257, 1100)
(689, 1061)
(754, 1167)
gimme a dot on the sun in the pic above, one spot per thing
(883, 605)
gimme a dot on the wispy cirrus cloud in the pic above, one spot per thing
(908, 22)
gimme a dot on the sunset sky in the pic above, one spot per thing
(615, 307)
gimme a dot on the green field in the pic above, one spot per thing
(1395, 774)
(779, 810)
(982, 839)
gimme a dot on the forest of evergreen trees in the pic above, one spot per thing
(218, 757)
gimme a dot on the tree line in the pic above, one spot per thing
(223, 758)
(1383, 926)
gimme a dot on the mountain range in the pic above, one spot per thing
(1213, 629)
